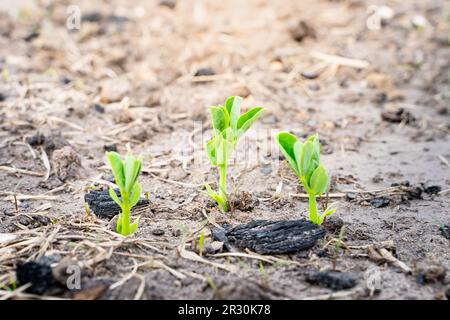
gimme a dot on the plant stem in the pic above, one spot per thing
(313, 215)
(223, 186)
(125, 217)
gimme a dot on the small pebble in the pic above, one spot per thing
(158, 232)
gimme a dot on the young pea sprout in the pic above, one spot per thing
(228, 126)
(304, 159)
(126, 174)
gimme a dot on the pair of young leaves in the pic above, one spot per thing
(126, 175)
(304, 159)
(228, 126)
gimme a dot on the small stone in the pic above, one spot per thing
(204, 72)
(171, 4)
(110, 147)
(380, 202)
(158, 232)
(301, 31)
(266, 170)
(241, 91)
(114, 90)
(99, 108)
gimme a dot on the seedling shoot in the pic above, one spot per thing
(304, 160)
(228, 126)
(126, 174)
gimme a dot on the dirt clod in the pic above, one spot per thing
(430, 274)
(302, 30)
(400, 115)
(244, 201)
(333, 224)
(66, 163)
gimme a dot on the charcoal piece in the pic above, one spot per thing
(380, 202)
(272, 237)
(433, 189)
(38, 274)
(219, 234)
(445, 230)
(36, 140)
(104, 206)
(332, 279)
(414, 193)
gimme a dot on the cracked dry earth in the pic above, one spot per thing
(145, 73)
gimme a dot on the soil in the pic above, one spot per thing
(144, 74)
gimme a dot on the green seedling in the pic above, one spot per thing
(304, 159)
(228, 126)
(264, 274)
(126, 174)
(201, 244)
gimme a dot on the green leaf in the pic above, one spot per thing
(247, 119)
(298, 149)
(114, 196)
(220, 118)
(221, 202)
(117, 167)
(135, 194)
(133, 167)
(129, 172)
(319, 180)
(309, 161)
(286, 141)
(233, 106)
(138, 168)
(134, 226)
(119, 224)
(330, 210)
(211, 150)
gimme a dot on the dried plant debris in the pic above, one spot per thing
(103, 206)
(332, 279)
(271, 237)
(394, 195)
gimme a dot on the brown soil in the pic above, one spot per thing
(127, 76)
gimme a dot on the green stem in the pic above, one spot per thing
(126, 217)
(313, 215)
(223, 186)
